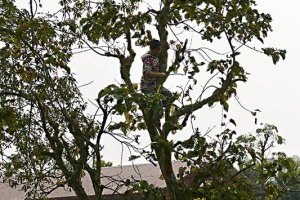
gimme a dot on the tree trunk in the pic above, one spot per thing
(164, 155)
(78, 189)
(174, 190)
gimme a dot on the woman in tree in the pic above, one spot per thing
(152, 73)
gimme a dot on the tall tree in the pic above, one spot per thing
(47, 138)
(42, 110)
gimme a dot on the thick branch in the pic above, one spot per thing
(126, 62)
(188, 109)
(163, 34)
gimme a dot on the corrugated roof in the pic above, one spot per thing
(111, 177)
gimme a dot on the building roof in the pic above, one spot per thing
(111, 177)
(8, 193)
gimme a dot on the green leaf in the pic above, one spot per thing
(225, 106)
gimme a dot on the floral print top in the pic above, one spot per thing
(150, 63)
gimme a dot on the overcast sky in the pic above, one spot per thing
(275, 89)
(271, 89)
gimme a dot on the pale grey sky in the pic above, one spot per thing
(271, 89)
(274, 89)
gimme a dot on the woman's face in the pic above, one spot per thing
(156, 51)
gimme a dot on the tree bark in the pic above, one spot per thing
(78, 189)
(164, 156)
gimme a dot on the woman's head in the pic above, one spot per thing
(155, 47)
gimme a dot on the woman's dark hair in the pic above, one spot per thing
(155, 44)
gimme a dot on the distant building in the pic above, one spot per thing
(111, 179)
(147, 172)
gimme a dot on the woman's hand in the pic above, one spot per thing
(157, 74)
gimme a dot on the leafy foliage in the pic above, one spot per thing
(236, 167)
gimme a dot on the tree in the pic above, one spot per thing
(42, 110)
(230, 167)
(277, 174)
(292, 189)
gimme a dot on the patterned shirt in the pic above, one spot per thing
(150, 63)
